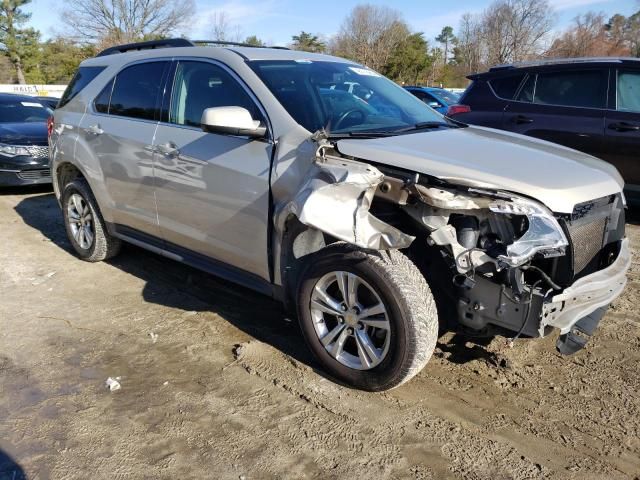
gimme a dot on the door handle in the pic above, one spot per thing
(94, 130)
(624, 127)
(520, 119)
(168, 149)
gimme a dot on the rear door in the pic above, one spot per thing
(119, 128)
(564, 106)
(212, 189)
(622, 126)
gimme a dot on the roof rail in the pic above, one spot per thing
(232, 44)
(175, 42)
(561, 61)
(150, 45)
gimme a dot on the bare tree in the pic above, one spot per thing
(469, 47)
(515, 30)
(109, 22)
(223, 30)
(370, 34)
(588, 36)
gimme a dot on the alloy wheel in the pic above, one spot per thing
(80, 221)
(350, 320)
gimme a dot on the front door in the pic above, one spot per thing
(564, 107)
(212, 190)
(622, 128)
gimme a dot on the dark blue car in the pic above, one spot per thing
(24, 151)
(437, 98)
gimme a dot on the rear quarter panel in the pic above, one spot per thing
(68, 142)
(486, 108)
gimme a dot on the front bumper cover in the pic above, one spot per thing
(587, 294)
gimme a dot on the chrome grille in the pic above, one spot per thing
(586, 241)
(37, 151)
(35, 174)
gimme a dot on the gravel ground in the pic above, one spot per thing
(217, 383)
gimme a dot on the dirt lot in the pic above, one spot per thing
(228, 390)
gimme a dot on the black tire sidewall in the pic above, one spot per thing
(76, 187)
(384, 374)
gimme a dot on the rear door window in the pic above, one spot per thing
(628, 91)
(81, 79)
(137, 91)
(586, 88)
(506, 87)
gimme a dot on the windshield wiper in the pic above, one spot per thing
(362, 134)
(427, 125)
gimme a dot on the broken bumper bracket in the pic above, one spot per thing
(587, 294)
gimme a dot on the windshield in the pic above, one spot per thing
(342, 97)
(19, 111)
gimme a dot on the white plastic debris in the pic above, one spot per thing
(154, 336)
(113, 384)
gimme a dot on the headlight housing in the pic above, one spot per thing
(544, 234)
(13, 150)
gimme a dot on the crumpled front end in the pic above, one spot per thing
(499, 262)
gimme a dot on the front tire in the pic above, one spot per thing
(368, 317)
(84, 224)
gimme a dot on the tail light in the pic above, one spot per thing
(49, 126)
(457, 109)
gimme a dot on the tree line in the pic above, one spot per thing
(376, 36)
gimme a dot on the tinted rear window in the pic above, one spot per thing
(586, 88)
(136, 92)
(81, 79)
(506, 87)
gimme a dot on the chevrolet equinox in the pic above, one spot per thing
(319, 182)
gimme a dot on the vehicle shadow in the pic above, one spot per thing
(26, 189)
(9, 468)
(173, 284)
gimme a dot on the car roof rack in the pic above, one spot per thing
(175, 42)
(149, 45)
(222, 43)
(562, 61)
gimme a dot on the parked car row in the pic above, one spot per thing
(319, 182)
(590, 104)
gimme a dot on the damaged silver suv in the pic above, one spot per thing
(323, 184)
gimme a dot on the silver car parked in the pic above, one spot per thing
(374, 217)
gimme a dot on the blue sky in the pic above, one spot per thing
(275, 21)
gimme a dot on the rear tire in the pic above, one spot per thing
(390, 333)
(84, 223)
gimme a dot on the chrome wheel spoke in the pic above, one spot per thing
(377, 309)
(348, 285)
(76, 234)
(77, 203)
(323, 298)
(88, 235)
(382, 323)
(338, 346)
(331, 336)
(366, 349)
(324, 308)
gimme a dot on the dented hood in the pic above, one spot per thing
(557, 176)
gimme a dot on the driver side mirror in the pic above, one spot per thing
(231, 121)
